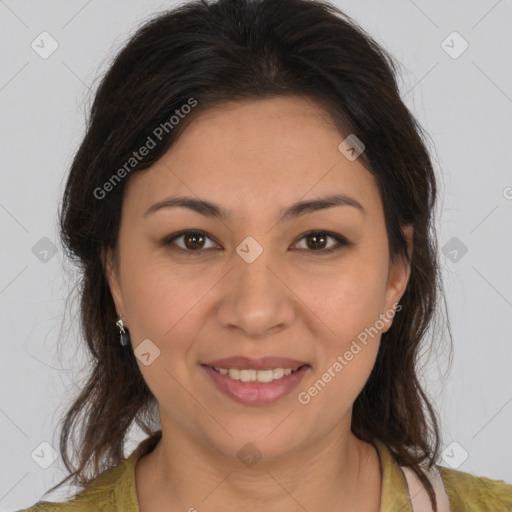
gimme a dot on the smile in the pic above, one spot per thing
(256, 387)
(248, 375)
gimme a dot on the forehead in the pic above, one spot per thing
(256, 154)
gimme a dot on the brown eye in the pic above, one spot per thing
(316, 241)
(193, 241)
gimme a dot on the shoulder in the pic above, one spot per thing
(104, 502)
(46, 506)
(97, 501)
(470, 493)
(114, 489)
(103, 495)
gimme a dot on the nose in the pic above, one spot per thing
(255, 298)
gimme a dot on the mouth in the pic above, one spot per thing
(262, 385)
(252, 375)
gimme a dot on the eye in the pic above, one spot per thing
(315, 240)
(194, 241)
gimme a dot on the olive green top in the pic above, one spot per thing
(114, 490)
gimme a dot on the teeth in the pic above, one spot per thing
(247, 375)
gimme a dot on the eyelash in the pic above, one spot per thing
(342, 242)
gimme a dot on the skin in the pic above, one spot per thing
(256, 158)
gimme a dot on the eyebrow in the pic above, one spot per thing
(209, 209)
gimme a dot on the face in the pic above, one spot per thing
(257, 279)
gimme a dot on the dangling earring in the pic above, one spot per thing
(124, 336)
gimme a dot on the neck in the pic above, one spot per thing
(184, 474)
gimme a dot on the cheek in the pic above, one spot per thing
(164, 304)
(355, 308)
(351, 308)
(332, 391)
(350, 296)
(350, 303)
(157, 294)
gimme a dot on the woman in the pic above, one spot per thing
(252, 209)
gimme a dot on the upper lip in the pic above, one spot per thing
(242, 362)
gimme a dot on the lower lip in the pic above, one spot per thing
(256, 393)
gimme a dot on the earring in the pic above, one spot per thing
(124, 337)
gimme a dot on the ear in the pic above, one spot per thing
(112, 275)
(398, 277)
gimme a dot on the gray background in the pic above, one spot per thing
(464, 103)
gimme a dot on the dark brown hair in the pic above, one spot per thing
(221, 52)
